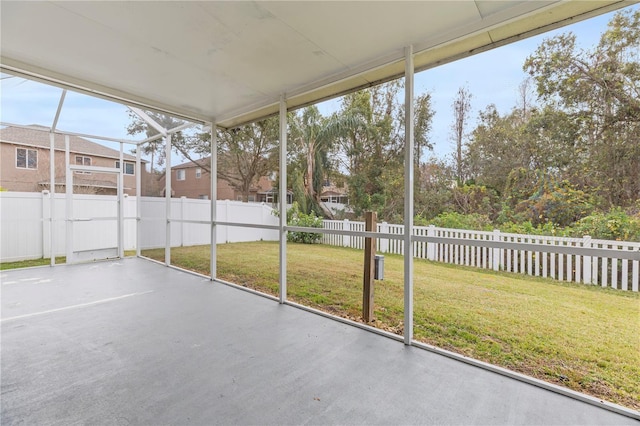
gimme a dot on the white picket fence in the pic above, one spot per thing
(25, 221)
(607, 263)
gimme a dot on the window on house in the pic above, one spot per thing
(129, 168)
(203, 197)
(81, 160)
(26, 158)
(198, 173)
(181, 174)
(252, 198)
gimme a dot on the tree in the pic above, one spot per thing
(492, 151)
(374, 150)
(314, 137)
(248, 153)
(372, 153)
(434, 192)
(599, 89)
(423, 118)
(554, 201)
(245, 154)
(526, 138)
(154, 148)
(461, 111)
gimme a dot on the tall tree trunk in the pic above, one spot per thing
(311, 156)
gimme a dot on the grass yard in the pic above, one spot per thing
(30, 263)
(44, 261)
(583, 337)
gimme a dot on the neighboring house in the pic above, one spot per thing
(192, 180)
(332, 193)
(25, 155)
(335, 197)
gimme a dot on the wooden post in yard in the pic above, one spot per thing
(369, 267)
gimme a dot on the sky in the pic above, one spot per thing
(492, 77)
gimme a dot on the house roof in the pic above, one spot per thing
(40, 139)
(231, 62)
(201, 162)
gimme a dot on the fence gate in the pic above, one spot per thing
(85, 241)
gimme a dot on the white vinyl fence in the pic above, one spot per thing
(187, 215)
(25, 220)
(614, 264)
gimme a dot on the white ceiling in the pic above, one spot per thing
(231, 61)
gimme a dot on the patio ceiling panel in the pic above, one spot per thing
(231, 61)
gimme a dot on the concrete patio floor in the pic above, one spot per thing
(134, 342)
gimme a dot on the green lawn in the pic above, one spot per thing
(30, 263)
(44, 261)
(583, 337)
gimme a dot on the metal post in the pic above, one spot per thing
(408, 195)
(371, 222)
(213, 167)
(68, 200)
(282, 186)
(52, 176)
(138, 199)
(120, 190)
(167, 196)
(52, 195)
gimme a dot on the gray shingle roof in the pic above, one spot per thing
(201, 162)
(40, 139)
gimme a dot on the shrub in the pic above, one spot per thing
(527, 228)
(473, 221)
(296, 218)
(613, 225)
(555, 202)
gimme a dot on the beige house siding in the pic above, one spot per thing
(14, 178)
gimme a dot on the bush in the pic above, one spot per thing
(554, 202)
(527, 228)
(473, 221)
(613, 225)
(296, 218)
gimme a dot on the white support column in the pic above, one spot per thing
(167, 196)
(52, 196)
(213, 167)
(138, 199)
(183, 199)
(408, 195)
(282, 186)
(68, 200)
(120, 220)
(52, 176)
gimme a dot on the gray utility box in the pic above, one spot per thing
(379, 267)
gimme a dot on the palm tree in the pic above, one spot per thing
(315, 135)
